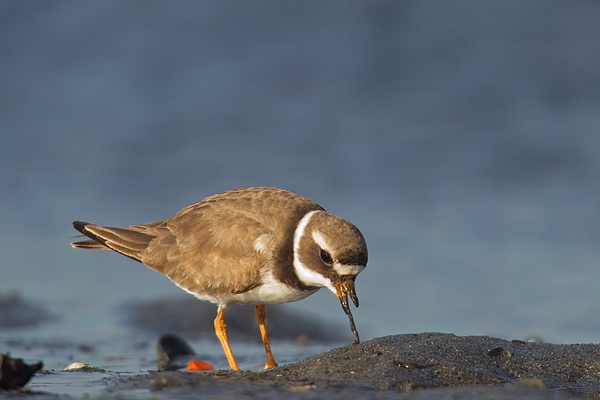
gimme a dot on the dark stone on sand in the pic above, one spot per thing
(499, 352)
(427, 365)
(189, 316)
(14, 373)
(173, 352)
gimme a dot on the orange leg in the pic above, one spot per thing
(222, 335)
(260, 318)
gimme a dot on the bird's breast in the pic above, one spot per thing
(270, 291)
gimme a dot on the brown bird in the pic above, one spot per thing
(257, 245)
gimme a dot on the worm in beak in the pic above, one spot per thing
(344, 288)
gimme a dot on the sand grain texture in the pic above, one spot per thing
(423, 366)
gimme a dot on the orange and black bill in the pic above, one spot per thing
(344, 288)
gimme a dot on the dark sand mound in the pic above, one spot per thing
(428, 365)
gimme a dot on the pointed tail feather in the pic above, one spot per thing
(89, 244)
(128, 242)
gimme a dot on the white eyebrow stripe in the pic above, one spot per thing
(321, 241)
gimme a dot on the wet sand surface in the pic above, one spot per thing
(413, 366)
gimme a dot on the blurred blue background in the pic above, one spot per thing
(461, 137)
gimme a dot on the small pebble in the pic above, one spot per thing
(302, 388)
(79, 366)
(74, 366)
(196, 365)
(533, 382)
(499, 352)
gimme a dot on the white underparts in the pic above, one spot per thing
(271, 291)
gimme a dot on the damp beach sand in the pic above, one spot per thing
(412, 366)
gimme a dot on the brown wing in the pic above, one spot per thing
(215, 238)
(209, 246)
(213, 255)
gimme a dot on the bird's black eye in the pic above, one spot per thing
(325, 257)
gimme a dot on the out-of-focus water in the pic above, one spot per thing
(462, 138)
